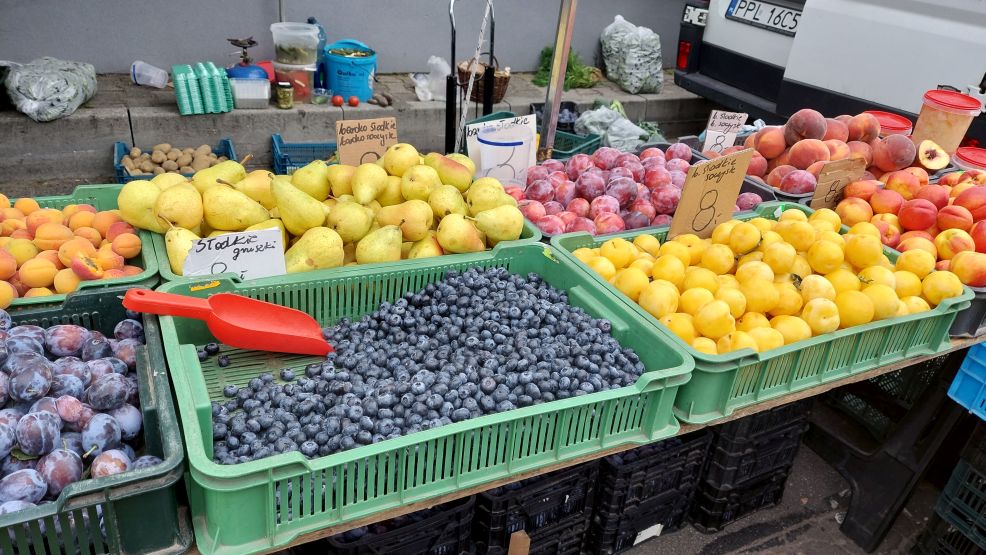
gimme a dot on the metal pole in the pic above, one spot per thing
(489, 78)
(451, 89)
(556, 84)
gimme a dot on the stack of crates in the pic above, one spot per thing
(748, 465)
(645, 492)
(554, 510)
(202, 88)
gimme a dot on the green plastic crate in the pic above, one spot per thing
(140, 509)
(530, 234)
(721, 384)
(570, 144)
(103, 197)
(234, 508)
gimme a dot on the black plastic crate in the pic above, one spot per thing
(611, 533)
(963, 501)
(562, 538)
(441, 530)
(553, 501)
(714, 508)
(941, 538)
(975, 448)
(731, 462)
(764, 423)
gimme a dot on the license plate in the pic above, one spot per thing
(773, 17)
(695, 15)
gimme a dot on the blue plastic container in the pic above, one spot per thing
(349, 76)
(969, 386)
(291, 156)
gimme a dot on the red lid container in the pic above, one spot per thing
(970, 158)
(892, 124)
(955, 102)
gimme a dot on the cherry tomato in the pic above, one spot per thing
(353, 101)
(337, 100)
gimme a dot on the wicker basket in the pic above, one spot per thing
(501, 78)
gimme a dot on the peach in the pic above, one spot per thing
(86, 267)
(955, 191)
(118, 228)
(775, 177)
(903, 182)
(863, 127)
(748, 141)
(804, 124)
(50, 236)
(838, 150)
(808, 151)
(81, 219)
(876, 172)
(108, 260)
(126, 245)
(933, 230)
(893, 152)
(132, 270)
(937, 194)
(7, 294)
(73, 248)
(769, 141)
(885, 201)
(35, 219)
(954, 217)
(889, 235)
(943, 265)
(970, 267)
(89, 234)
(38, 272)
(920, 173)
(917, 214)
(860, 150)
(953, 178)
(835, 130)
(861, 189)
(711, 154)
(757, 167)
(978, 233)
(916, 233)
(26, 205)
(8, 264)
(973, 199)
(66, 281)
(38, 292)
(114, 273)
(886, 217)
(51, 256)
(816, 168)
(952, 241)
(918, 243)
(22, 250)
(853, 210)
(798, 182)
(104, 220)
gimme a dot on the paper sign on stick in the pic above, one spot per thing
(721, 131)
(709, 194)
(833, 178)
(248, 254)
(362, 141)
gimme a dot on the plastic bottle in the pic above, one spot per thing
(320, 71)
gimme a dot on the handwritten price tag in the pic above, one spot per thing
(720, 133)
(833, 178)
(709, 194)
(361, 141)
(248, 254)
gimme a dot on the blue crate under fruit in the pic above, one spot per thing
(120, 149)
(969, 386)
(291, 156)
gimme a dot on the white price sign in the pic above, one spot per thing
(721, 131)
(248, 254)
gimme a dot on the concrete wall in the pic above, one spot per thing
(112, 33)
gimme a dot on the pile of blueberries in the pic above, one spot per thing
(478, 342)
(69, 404)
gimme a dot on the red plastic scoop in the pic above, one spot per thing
(239, 321)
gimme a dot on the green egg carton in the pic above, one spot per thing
(201, 88)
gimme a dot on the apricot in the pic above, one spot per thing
(132, 270)
(50, 236)
(863, 127)
(73, 248)
(104, 220)
(4, 201)
(937, 194)
(861, 151)
(954, 217)
(21, 234)
(114, 273)
(8, 227)
(38, 292)
(51, 256)
(854, 210)
(66, 281)
(777, 175)
(38, 272)
(769, 141)
(8, 264)
(15, 282)
(108, 260)
(118, 228)
(86, 267)
(81, 218)
(89, 234)
(74, 209)
(22, 250)
(893, 152)
(885, 201)
(26, 205)
(37, 218)
(804, 124)
(7, 294)
(808, 151)
(863, 189)
(905, 183)
(11, 214)
(126, 245)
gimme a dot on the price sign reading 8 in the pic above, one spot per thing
(718, 141)
(706, 213)
(709, 194)
(834, 194)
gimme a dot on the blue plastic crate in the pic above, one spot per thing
(291, 156)
(120, 149)
(969, 386)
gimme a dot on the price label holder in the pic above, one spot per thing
(363, 141)
(721, 131)
(248, 254)
(472, 140)
(709, 194)
(832, 179)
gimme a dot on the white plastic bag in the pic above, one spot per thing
(431, 86)
(48, 88)
(633, 56)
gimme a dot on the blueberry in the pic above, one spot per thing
(286, 374)
(222, 361)
(211, 348)
(202, 355)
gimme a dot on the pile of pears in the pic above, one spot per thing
(402, 206)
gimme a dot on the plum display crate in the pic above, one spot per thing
(120, 149)
(103, 197)
(234, 507)
(446, 531)
(721, 384)
(136, 512)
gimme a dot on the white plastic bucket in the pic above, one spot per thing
(504, 152)
(143, 73)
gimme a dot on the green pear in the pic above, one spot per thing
(449, 171)
(414, 217)
(227, 172)
(299, 211)
(445, 200)
(313, 179)
(179, 205)
(350, 220)
(178, 241)
(256, 185)
(427, 247)
(457, 234)
(340, 179)
(136, 201)
(227, 209)
(503, 223)
(405, 249)
(484, 194)
(391, 194)
(382, 245)
(167, 179)
(369, 180)
(418, 182)
(398, 158)
(319, 248)
(272, 223)
(464, 160)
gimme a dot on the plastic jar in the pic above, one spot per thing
(970, 158)
(302, 78)
(945, 117)
(295, 43)
(891, 123)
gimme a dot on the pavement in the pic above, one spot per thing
(51, 158)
